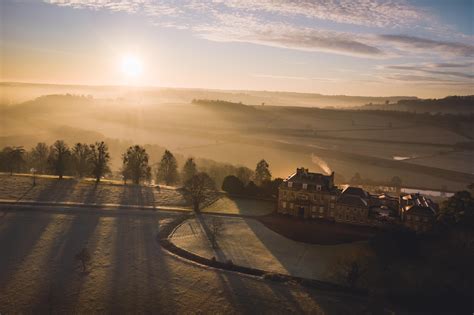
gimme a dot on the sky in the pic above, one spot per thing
(340, 47)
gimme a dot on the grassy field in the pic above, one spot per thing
(85, 191)
(247, 242)
(128, 272)
(247, 207)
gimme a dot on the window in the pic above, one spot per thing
(333, 197)
(332, 206)
(291, 205)
(318, 187)
(284, 204)
(321, 209)
(290, 184)
(305, 186)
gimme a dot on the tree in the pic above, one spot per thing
(84, 257)
(13, 158)
(244, 174)
(350, 270)
(39, 157)
(80, 159)
(135, 164)
(458, 210)
(59, 157)
(167, 169)
(262, 172)
(233, 185)
(251, 189)
(199, 189)
(189, 170)
(270, 188)
(99, 160)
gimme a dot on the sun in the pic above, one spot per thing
(131, 66)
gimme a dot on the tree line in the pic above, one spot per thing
(93, 160)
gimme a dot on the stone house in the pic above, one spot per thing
(308, 195)
(352, 206)
(417, 212)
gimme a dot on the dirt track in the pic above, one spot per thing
(129, 272)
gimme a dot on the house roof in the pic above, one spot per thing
(303, 176)
(352, 200)
(355, 191)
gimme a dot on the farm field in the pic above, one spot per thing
(247, 242)
(348, 141)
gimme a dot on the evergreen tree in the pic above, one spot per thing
(262, 172)
(167, 169)
(189, 170)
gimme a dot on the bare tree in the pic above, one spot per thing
(99, 160)
(200, 188)
(14, 158)
(39, 157)
(84, 257)
(80, 159)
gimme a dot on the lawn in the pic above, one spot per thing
(247, 242)
(248, 207)
(48, 189)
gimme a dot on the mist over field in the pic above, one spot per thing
(426, 150)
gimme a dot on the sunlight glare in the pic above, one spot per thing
(131, 66)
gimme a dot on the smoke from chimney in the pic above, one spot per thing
(321, 163)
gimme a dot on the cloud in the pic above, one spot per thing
(231, 28)
(278, 23)
(433, 80)
(423, 44)
(358, 12)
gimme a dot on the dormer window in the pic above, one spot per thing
(305, 186)
(290, 184)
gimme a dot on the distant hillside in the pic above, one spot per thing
(450, 104)
(14, 93)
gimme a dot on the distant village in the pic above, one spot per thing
(315, 196)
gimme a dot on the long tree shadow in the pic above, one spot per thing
(57, 191)
(140, 275)
(21, 233)
(66, 277)
(137, 195)
(214, 244)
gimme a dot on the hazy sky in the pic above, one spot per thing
(354, 47)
